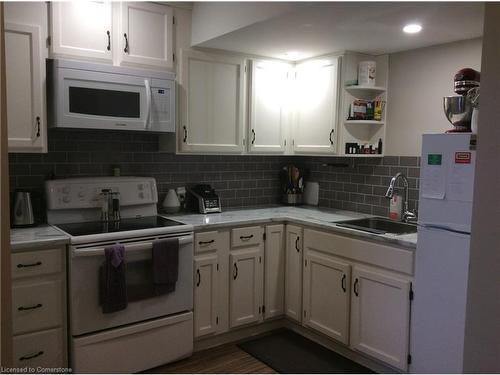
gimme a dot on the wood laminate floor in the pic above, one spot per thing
(224, 359)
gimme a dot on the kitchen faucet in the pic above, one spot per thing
(407, 214)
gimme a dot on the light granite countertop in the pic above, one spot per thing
(321, 218)
(41, 236)
(311, 216)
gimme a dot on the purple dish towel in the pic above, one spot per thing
(113, 281)
(165, 265)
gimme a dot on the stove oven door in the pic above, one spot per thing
(85, 264)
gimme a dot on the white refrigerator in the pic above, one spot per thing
(442, 255)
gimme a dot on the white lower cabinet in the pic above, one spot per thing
(245, 289)
(380, 316)
(274, 271)
(39, 308)
(326, 294)
(205, 294)
(293, 273)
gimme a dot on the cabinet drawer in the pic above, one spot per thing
(37, 306)
(206, 241)
(35, 263)
(40, 349)
(246, 236)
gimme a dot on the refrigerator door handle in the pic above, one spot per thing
(444, 228)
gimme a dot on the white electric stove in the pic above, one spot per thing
(152, 330)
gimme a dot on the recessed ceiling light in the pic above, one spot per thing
(412, 28)
(292, 54)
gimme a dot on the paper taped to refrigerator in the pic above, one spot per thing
(433, 182)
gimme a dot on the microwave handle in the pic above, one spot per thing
(147, 124)
(96, 251)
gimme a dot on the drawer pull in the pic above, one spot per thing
(245, 238)
(26, 357)
(205, 242)
(20, 265)
(37, 306)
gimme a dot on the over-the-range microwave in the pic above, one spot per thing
(98, 96)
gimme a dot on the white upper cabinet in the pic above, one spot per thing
(25, 87)
(145, 35)
(315, 103)
(268, 106)
(82, 29)
(212, 102)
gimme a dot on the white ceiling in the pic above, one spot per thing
(313, 29)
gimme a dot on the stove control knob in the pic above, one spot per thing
(66, 199)
(81, 194)
(140, 187)
(141, 195)
(65, 189)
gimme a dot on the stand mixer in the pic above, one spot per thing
(462, 110)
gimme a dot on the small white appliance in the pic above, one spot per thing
(153, 329)
(99, 96)
(442, 255)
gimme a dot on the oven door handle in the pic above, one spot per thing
(95, 251)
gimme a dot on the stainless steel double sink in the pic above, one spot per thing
(378, 225)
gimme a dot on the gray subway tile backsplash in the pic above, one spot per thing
(241, 180)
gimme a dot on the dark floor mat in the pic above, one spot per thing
(289, 353)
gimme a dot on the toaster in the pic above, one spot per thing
(203, 199)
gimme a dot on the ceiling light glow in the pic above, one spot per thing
(412, 28)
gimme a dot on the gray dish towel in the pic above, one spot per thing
(113, 283)
(165, 265)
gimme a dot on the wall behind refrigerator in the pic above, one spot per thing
(418, 80)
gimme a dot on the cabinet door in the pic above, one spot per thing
(274, 271)
(293, 272)
(25, 76)
(245, 294)
(146, 34)
(326, 296)
(380, 315)
(213, 103)
(269, 93)
(82, 29)
(316, 88)
(205, 294)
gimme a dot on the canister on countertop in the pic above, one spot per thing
(367, 73)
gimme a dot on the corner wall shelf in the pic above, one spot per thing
(364, 122)
(365, 92)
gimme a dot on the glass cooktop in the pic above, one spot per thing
(99, 227)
